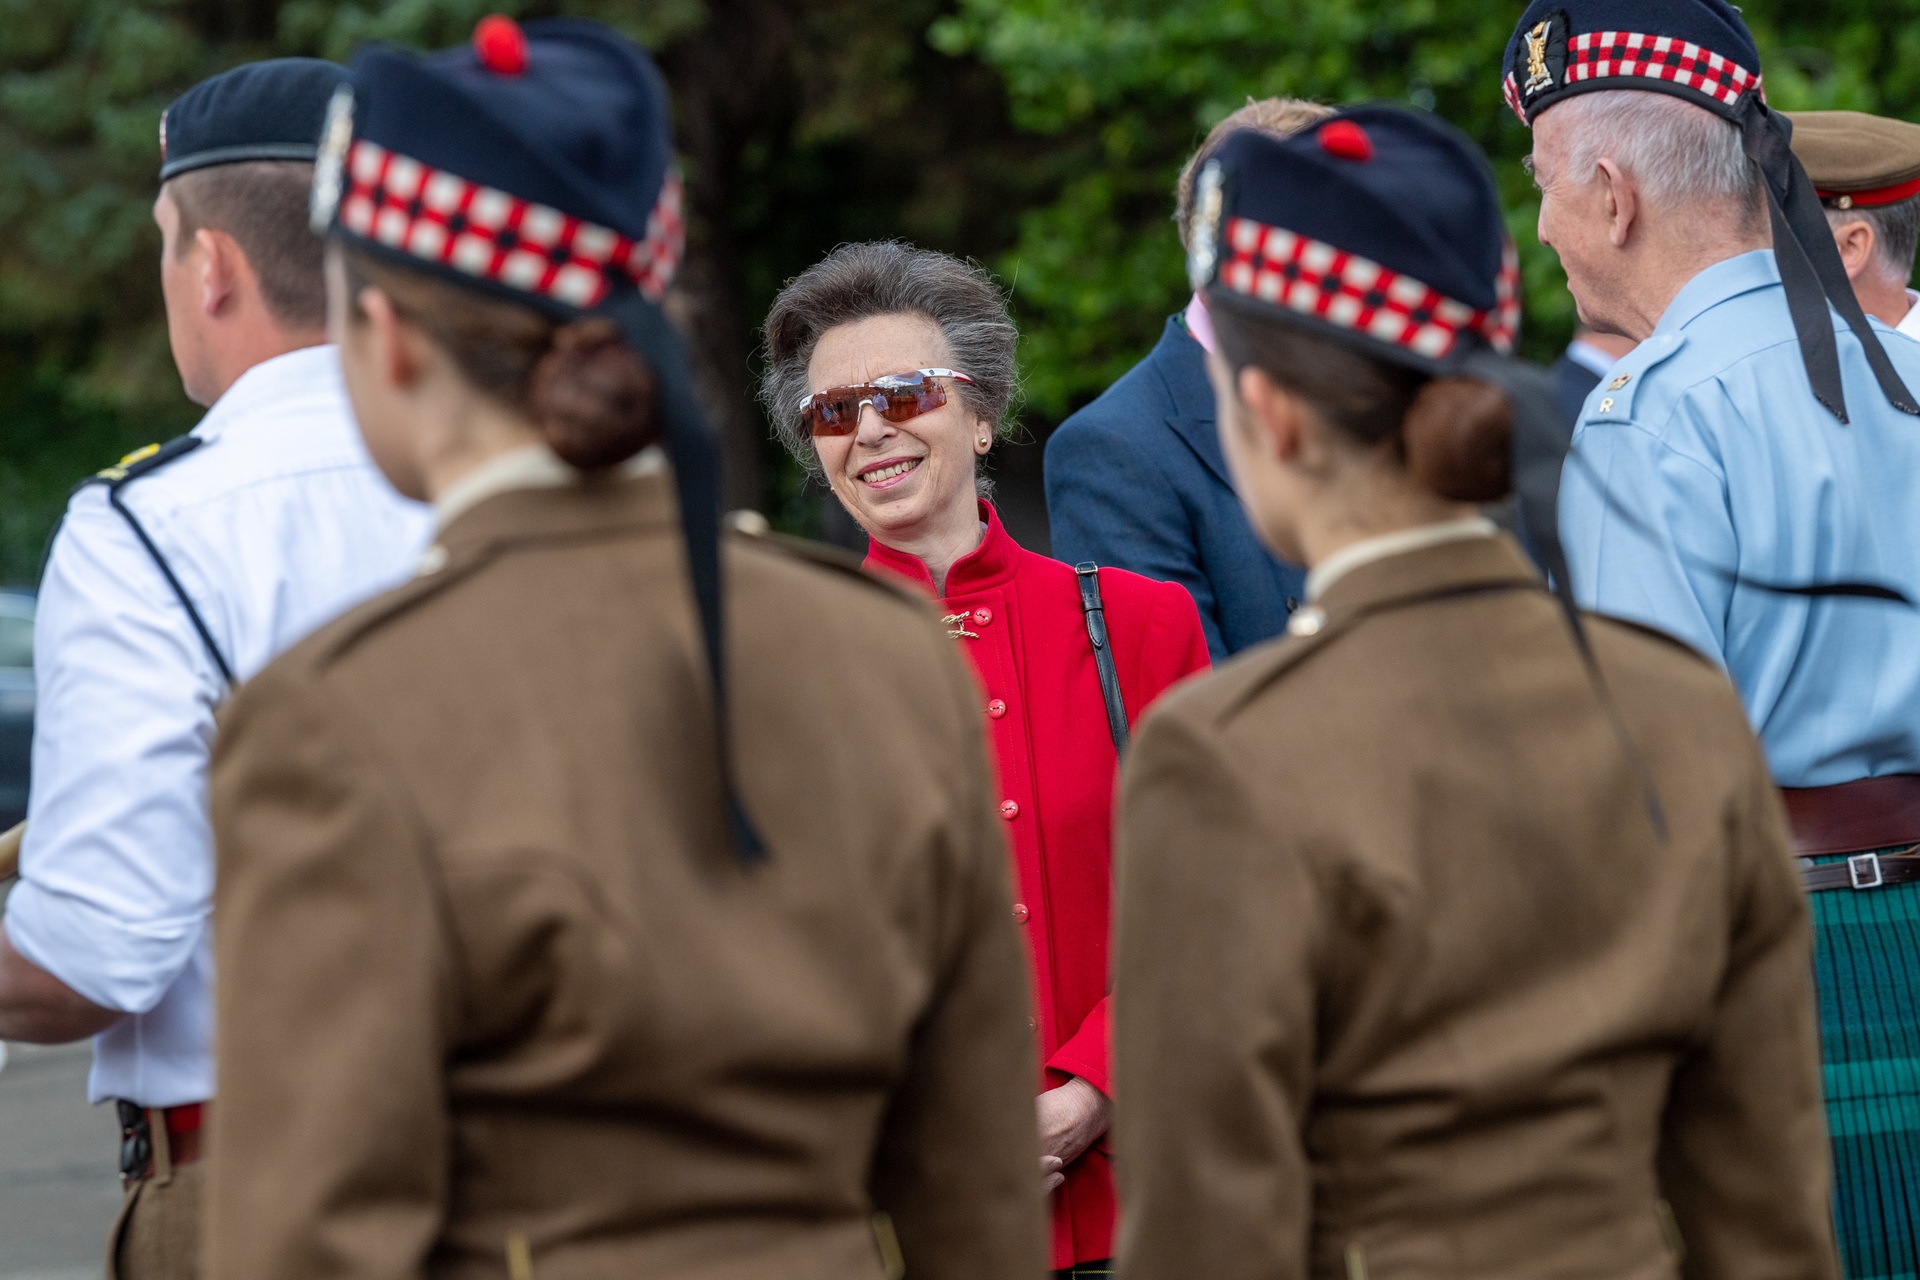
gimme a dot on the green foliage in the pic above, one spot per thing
(1039, 136)
(1127, 88)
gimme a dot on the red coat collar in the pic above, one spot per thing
(988, 565)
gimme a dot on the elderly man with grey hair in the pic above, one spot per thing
(1743, 482)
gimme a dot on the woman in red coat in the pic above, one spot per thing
(890, 371)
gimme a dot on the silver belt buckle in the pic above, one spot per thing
(1862, 865)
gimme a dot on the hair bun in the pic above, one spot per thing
(1459, 440)
(595, 401)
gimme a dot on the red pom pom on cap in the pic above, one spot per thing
(500, 45)
(1345, 139)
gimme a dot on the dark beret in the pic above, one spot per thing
(1697, 50)
(260, 111)
(1379, 228)
(1857, 159)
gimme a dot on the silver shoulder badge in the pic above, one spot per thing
(1203, 250)
(330, 166)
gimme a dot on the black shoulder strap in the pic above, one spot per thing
(1089, 575)
(143, 462)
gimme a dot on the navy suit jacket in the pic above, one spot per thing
(1571, 383)
(1136, 480)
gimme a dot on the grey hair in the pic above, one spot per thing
(1677, 153)
(885, 278)
(1896, 232)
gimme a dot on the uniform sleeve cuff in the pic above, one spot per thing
(1086, 1053)
(128, 975)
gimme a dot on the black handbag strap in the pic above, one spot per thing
(1089, 574)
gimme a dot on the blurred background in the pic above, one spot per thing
(1038, 137)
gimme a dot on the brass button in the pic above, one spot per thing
(982, 616)
(1009, 810)
(1031, 1024)
(1307, 621)
(996, 708)
(1020, 913)
(433, 561)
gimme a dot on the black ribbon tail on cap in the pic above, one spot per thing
(696, 471)
(1541, 441)
(1810, 266)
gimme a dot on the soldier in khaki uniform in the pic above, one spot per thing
(514, 980)
(1414, 976)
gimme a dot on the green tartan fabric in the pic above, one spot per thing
(1867, 968)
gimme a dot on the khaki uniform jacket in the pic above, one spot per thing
(1407, 985)
(495, 987)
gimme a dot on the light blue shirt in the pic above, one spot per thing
(278, 523)
(1708, 435)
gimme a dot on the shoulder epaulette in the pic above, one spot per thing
(144, 462)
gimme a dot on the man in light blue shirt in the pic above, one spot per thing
(1744, 480)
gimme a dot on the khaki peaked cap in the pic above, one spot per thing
(1858, 159)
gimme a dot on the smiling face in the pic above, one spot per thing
(905, 482)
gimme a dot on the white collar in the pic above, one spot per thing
(1910, 322)
(531, 466)
(1367, 550)
(269, 382)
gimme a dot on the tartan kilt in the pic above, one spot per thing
(1867, 969)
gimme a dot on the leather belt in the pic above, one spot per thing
(1854, 817)
(179, 1128)
(1863, 871)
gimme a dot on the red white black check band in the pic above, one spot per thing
(1601, 54)
(396, 201)
(1285, 269)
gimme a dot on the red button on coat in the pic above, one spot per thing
(1009, 809)
(982, 616)
(996, 708)
(1019, 913)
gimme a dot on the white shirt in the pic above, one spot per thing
(274, 526)
(1910, 322)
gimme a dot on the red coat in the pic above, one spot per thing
(1019, 619)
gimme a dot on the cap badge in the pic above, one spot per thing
(1203, 251)
(163, 137)
(1544, 49)
(330, 164)
(1538, 77)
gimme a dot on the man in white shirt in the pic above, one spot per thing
(174, 576)
(1866, 170)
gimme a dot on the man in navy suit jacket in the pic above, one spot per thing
(1136, 479)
